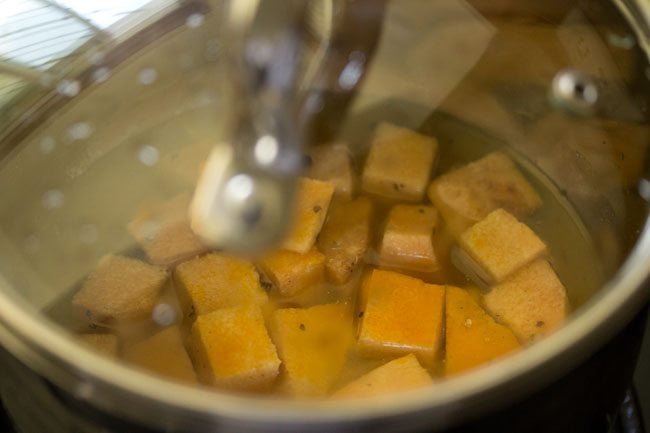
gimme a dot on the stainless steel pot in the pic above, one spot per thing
(117, 126)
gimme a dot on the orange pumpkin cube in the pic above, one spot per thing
(120, 288)
(402, 315)
(162, 353)
(163, 231)
(467, 194)
(310, 209)
(345, 238)
(332, 163)
(313, 344)
(292, 272)
(399, 375)
(399, 163)
(232, 348)
(472, 336)
(104, 343)
(499, 245)
(532, 302)
(408, 239)
(214, 281)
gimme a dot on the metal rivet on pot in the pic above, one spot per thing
(574, 92)
(101, 74)
(266, 149)
(163, 315)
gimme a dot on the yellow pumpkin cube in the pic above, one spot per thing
(472, 336)
(232, 348)
(497, 246)
(532, 302)
(332, 163)
(104, 343)
(291, 272)
(399, 163)
(313, 344)
(120, 288)
(467, 194)
(214, 281)
(345, 238)
(312, 201)
(402, 315)
(408, 239)
(399, 375)
(163, 231)
(162, 353)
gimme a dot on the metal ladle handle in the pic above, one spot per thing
(244, 198)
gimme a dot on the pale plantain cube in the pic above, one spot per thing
(532, 302)
(332, 163)
(399, 163)
(162, 353)
(120, 288)
(408, 239)
(232, 348)
(291, 272)
(399, 375)
(104, 343)
(467, 194)
(312, 201)
(313, 344)
(472, 337)
(215, 281)
(163, 231)
(402, 315)
(345, 238)
(497, 246)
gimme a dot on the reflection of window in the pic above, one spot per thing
(35, 34)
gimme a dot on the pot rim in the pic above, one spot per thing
(108, 384)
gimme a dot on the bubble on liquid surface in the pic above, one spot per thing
(101, 74)
(147, 76)
(163, 315)
(53, 199)
(32, 244)
(88, 234)
(80, 131)
(47, 145)
(148, 155)
(69, 88)
(195, 20)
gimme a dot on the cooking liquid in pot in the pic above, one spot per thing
(156, 333)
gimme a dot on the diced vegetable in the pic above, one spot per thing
(312, 201)
(163, 230)
(333, 163)
(162, 353)
(104, 343)
(216, 281)
(402, 315)
(345, 238)
(466, 195)
(532, 302)
(408, 238)
(472, 336)
(120, 288)
(232, 348)
(399, 375)
(399, 163)
(496, 247)
(313, 344)
(291, 272)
